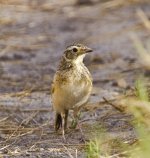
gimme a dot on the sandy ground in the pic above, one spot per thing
(33, 37)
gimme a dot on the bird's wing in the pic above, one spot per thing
(52, 88)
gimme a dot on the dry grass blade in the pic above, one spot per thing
(143, 18)
(143, 53)
(21, 94)
(68, 152)
(4, 119)
(4, 147)
(115, 106)
(112, 4)
(14, 134)
(26, 121)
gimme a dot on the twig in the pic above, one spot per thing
(4, 119)
(116, 107)
(69, 153)
(18, 128)
(30, 118)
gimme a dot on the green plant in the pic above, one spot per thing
(140, 107)
(93, 148)
(141, 89)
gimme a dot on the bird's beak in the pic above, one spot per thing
(87, 50)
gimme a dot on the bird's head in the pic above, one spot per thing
(76, 52)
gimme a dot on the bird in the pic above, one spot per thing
(71, 86)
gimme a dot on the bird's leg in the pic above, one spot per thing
(76, 116)
(58, 121)
(66, 119)
(63, 126)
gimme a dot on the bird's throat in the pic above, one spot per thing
(79, 59)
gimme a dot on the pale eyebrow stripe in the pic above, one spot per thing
(71, 47)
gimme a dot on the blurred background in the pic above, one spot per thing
(33, 36)
(35, 33)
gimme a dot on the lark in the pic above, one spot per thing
(72, 85)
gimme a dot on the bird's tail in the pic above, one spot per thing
(58, 121)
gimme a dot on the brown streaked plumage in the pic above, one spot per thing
(72, 84)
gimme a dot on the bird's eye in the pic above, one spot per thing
(74, 49)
